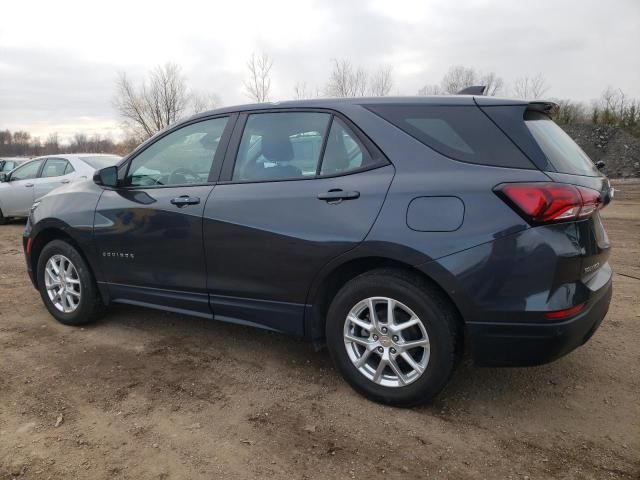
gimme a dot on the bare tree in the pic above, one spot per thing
(430, 90)
(52, 145)
(258, 87)
(382, 81)
(156, 103)
(492, 82)
(300, 91)
(530, 88)
(201, 102)
(457, 78)
(346, 80)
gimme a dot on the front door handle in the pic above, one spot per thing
(65, 181)
(185, 200)
(28, 185)
(337, 195)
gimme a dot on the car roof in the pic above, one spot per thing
(72, 156)
(336, 103)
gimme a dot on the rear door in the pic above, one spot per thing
(297, 190)
(148, 233)
(55, 173)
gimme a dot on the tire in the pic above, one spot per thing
(82, 304)
(3, 219)
(435, 334)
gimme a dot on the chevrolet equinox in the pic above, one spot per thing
(399, 232)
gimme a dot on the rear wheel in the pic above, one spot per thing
(66, 285)
(393, 337)
(3, 219)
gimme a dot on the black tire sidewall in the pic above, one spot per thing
(435, 318)
(88, 299)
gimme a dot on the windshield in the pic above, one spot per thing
(101, 161)
(561, 151)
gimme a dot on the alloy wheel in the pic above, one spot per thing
(386, 341)
(62, 283)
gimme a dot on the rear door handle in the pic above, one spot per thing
(28, 185)
(183, 200)
(337, 195)
(65, 181)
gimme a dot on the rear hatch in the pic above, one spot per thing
(579, 190)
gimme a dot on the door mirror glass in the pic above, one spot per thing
(107, 177)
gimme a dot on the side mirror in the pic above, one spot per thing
(4, 177)
(600, 164)
(106, 177)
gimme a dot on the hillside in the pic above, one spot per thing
(616, 147)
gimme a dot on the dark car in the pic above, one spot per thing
(399, 232)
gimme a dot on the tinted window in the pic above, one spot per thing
(54, 167)
(343, 151)
(561, 151)
(101, 161)
(459, 132)
(24, 172)
(181, 157)
(280, 146)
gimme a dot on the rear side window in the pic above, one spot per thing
(54, 167)
(277, 146)
(460, 132)
(561, 151)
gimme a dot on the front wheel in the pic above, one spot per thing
(393, 337)
(66, 284)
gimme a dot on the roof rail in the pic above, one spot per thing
(473, 90)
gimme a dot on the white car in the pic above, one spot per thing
(35, 178)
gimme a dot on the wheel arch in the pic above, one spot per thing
(58, 232)
(334, 280)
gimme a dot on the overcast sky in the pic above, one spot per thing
(59, 59)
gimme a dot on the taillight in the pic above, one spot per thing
(550, 202)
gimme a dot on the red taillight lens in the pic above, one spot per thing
(550, 202)
(566, 313)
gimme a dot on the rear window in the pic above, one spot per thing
(561, 151)
(101, 161)
(460, 132)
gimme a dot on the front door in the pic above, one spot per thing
(285, 211)
(17, 196)
(148, 233)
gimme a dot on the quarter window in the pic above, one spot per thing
(27, 171)
(55, 167)
(278, 146)
(181, 157)
(343, 151)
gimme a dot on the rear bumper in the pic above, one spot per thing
(528, 344)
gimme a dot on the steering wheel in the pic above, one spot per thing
(185, 172)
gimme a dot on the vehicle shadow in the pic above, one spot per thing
(468, 385)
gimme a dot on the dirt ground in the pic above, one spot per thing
(150, 395)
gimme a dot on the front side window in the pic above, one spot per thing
(278, 146)
(54, 167)
(184, 156)
(27, 171)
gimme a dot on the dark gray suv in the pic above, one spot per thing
(397, 231)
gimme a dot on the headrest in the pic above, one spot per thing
(277, 147)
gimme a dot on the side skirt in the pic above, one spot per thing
(282, 317)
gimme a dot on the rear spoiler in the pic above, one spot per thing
(549, 108)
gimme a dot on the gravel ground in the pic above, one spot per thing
(150, 395)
